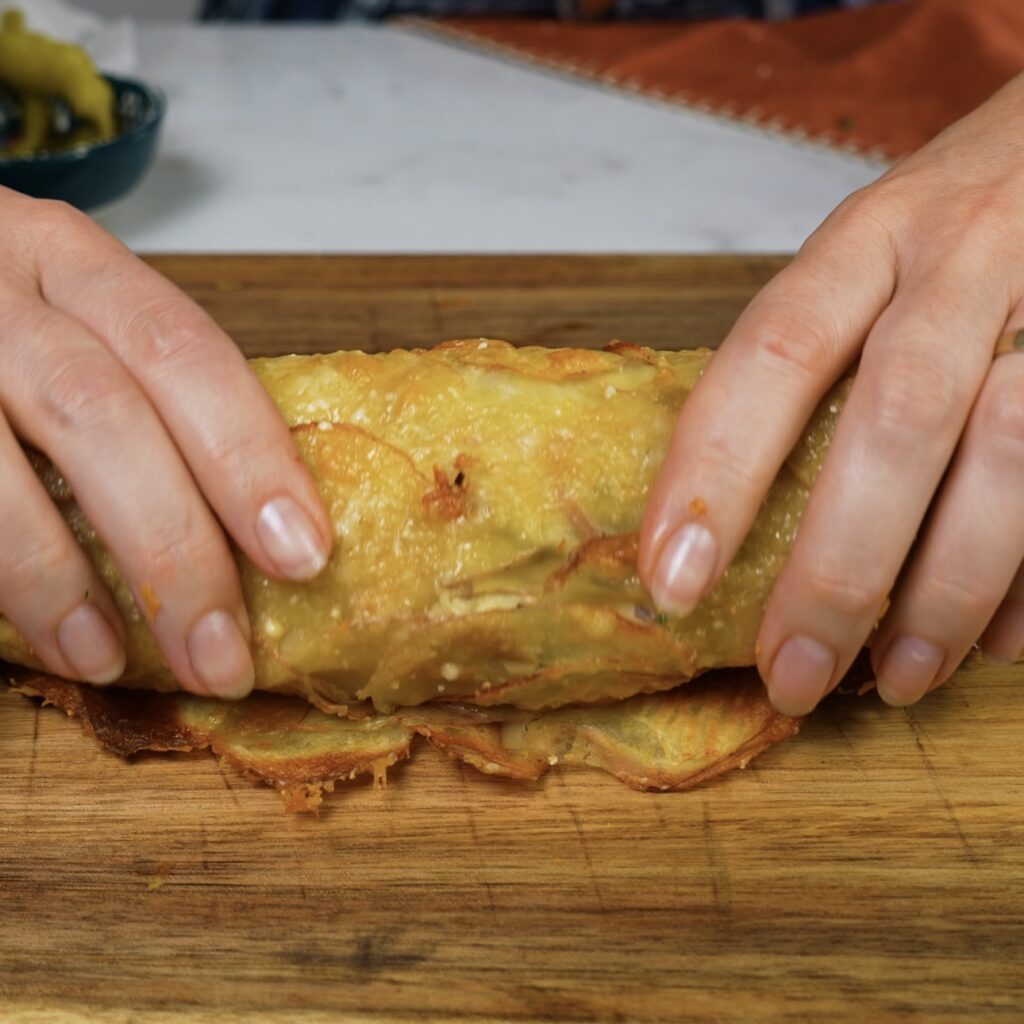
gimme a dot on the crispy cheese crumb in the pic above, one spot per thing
(698, 506)
(450, 671)
(380, 771)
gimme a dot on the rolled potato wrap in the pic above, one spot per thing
(485, 502)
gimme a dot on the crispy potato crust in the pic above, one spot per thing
(665, 741)
(485, 502)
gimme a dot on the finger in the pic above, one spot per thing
(226, 426)
(67, 395)
(48, 590)
(972, 546)
(1003, 640)
(752, 403)
(922, 367)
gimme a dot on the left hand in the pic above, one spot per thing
(917, 275)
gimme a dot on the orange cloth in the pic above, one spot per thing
(880, 79)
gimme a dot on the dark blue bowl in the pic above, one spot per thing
(98, 172)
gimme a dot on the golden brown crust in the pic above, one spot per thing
(485, 502)
(671, 740)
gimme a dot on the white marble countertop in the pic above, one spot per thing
(366, 139)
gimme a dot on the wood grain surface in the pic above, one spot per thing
(871, 869)
(277, 304)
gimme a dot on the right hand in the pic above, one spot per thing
(162, 431)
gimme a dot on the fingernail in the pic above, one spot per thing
(1003, 641)
(800, 675)
(908, 669)
(290, 539)
(220, 656)
(90, 645)
(684, 569)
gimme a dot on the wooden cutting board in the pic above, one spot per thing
(872, 869)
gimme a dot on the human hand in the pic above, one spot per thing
(917, 276)
(157, 423)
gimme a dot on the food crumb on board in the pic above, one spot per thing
(160, 875)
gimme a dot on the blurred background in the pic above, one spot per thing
(511, 134)
(151, 10)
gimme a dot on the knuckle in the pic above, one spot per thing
(29, 564)
(960, 594)
(961, 263)
(239, 450)
(57, 220)
(186, 545)
(168, 332)
(969, 246)
(854, 599)
(850, 211)
(914, 398)
(54, 212)
(988, 216)
(795, 339)
(883, 206)
(722, 459)
(78, 394)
